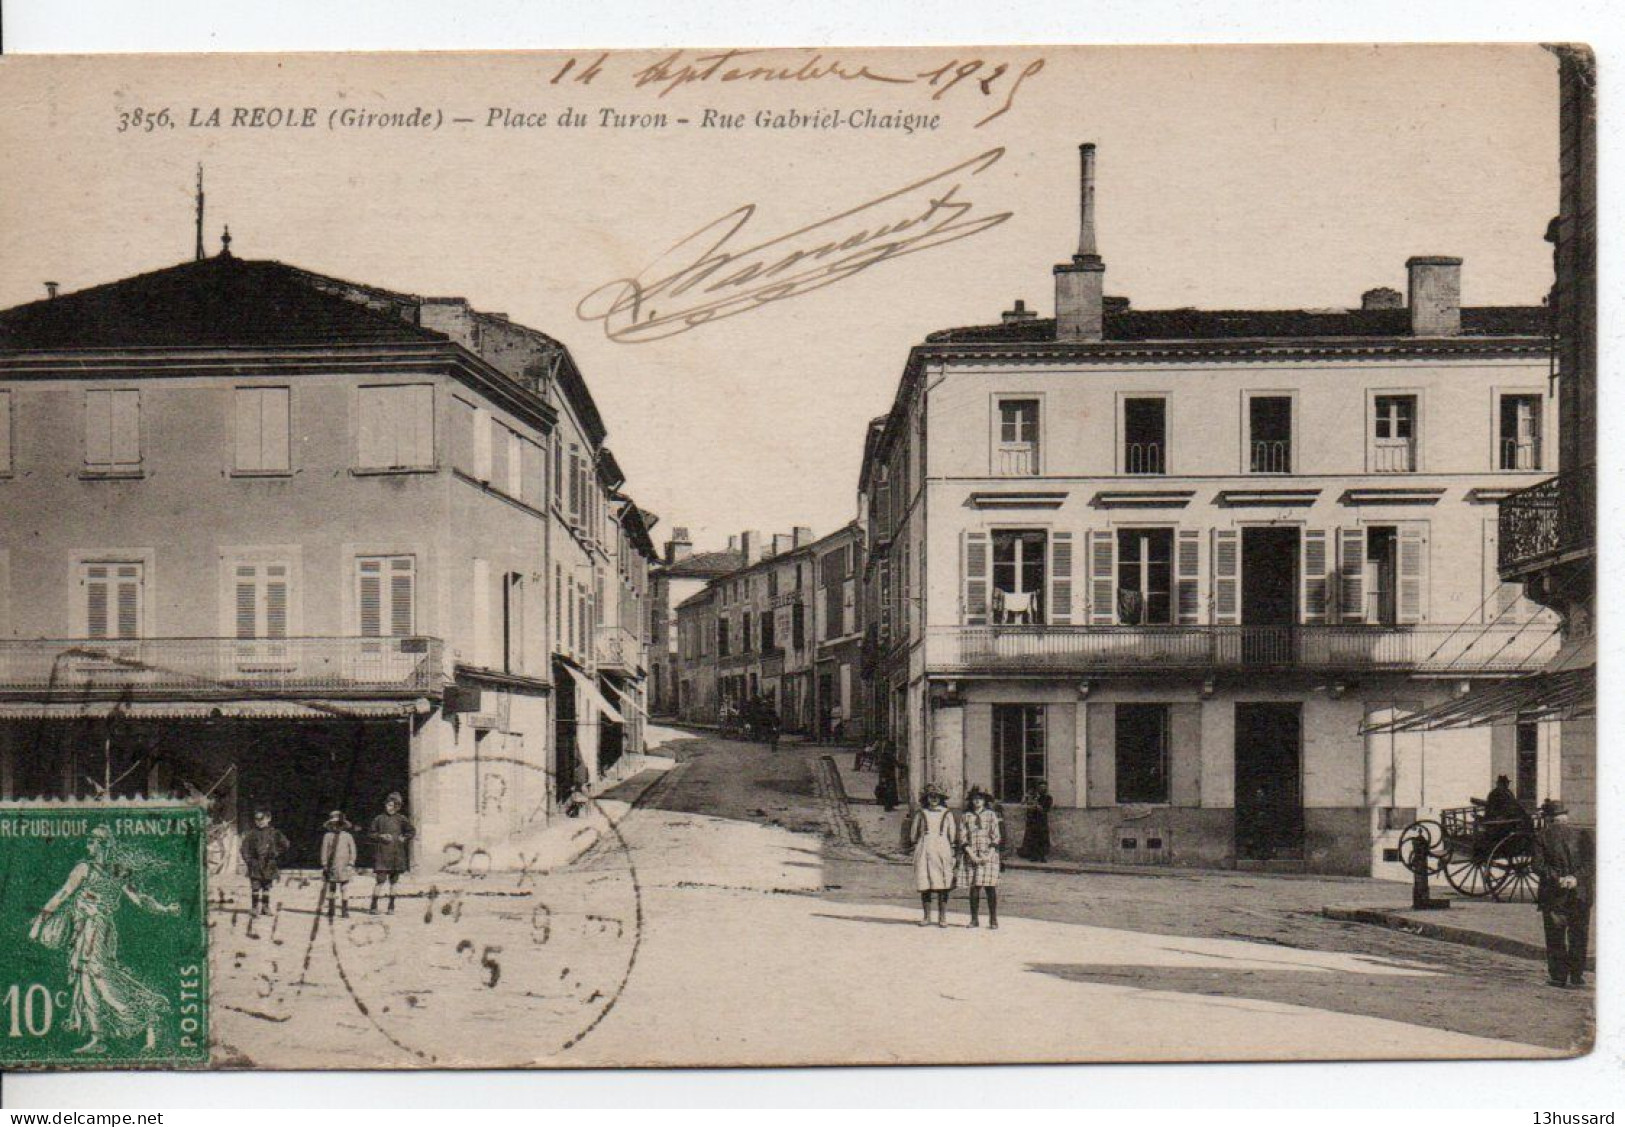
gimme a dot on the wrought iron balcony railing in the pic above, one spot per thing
(616, 646)
(1548, 523)
(220, 667)
(1463, 649)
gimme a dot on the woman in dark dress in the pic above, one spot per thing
(1035, 842)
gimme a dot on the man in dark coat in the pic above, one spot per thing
(1502, 810)
(391, 837)
(261, 848)
(1566, 863)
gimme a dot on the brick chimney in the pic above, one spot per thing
(782, 543)
(803, 535)
(1435, 296)
(1018, 313)
(750, 546)
(1080, 284)
(678, 546)
(733, 543)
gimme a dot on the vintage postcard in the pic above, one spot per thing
(723, 557)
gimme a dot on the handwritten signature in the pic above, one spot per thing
(702, 278)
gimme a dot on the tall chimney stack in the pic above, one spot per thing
(679, 546)
(750, 546)
(1080, 284)
(1435, 296)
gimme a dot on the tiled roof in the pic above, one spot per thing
(1253, 324)
(704, 565)
(214, 302)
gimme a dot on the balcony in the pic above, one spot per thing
(616, 647)
(1079, 650)
(1270, 456)
(1548, 524)
(219, 668)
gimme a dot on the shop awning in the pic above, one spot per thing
(208, 710)
(628, 699)
(1564, 694)
(597, 699)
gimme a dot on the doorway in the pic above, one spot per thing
(564, 731)
(1269, 788)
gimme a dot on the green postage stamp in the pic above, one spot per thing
(103, 948)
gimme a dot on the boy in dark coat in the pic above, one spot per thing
(261, 848)
(391, 853)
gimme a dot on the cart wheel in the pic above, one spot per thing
(1512, 868)
(1467, 873)
(1428, 837)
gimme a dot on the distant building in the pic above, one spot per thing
(839, 705)
(682, 572)
(1173, 563)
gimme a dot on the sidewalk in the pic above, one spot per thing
(1510, 929)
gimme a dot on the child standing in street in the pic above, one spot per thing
(391, 849)
(982, 838)
(935, 835)
(262, 847)
(338, 862)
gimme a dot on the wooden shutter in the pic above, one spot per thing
(1351, 574)
(261, 428)
(247, 600)
(127, 428)
(248, 406)
(97, 588)
(974, 573)
(370, 597)
(373, 448)
(129, 600)
(98, 428)
(483, 429)
(418, 447)
(401, 582)
(5, 431)
(1187, 576)
(1316, 572)
(1060, 579)
(1226, 577)
(1102, 577)
(516, 466)
(276, 600)
(1413, 573)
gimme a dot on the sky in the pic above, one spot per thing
(1249, 177)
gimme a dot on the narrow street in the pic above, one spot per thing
(732, 910)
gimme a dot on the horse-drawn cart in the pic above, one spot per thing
(1478, 856)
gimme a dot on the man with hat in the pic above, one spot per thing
(1566, 863)
(391, 853)
(1502, 810)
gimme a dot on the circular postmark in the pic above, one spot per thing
(497, 955)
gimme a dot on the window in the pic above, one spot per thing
(834, 583)
(385, 596)
(5, 432)
(744, 633)
(261, 429)
(1018, 577)
(722, 637)
(1382, 575)
(114, 598)
(1017, 453)
(772, 584)
(1145, 436)
(1018, 750)
(260, 600)
(1393, 434)
(513, 622)
(558, 472)
(575, 485)
(1269, 434)
(113, 431)
(1145, 576)
(1142, 753)
(1528, 765)
(798, 626)
(768, 624)
(396, 429)
(1519, 433)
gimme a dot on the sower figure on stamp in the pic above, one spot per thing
(338, 862)
(391, 837)
(982, 837)
(1566, 863)
(262, 847)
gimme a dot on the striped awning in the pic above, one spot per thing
(208, 710)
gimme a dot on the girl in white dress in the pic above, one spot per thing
(935, 835)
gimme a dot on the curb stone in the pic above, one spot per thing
(1466, 937)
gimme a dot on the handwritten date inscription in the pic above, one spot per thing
(707, 276)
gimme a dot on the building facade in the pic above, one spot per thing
(839, 706)
(682, 573)
(1171, 564)
(283, 541)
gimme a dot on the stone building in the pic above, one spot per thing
(1173, 563)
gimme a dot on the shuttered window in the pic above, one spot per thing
(261, 419)
(1060, 579)
(1413, 574)
(1316, 573)
(1102, 577)
(113, 430)
(5, 432)
(114, 598)
(260, 600)
(396, 428)
(1226, 577)
(1351, 551)
(386, 596)
(1188, 577)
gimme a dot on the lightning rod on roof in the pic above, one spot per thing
(200, 212)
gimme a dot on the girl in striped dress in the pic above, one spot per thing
(981, 838)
